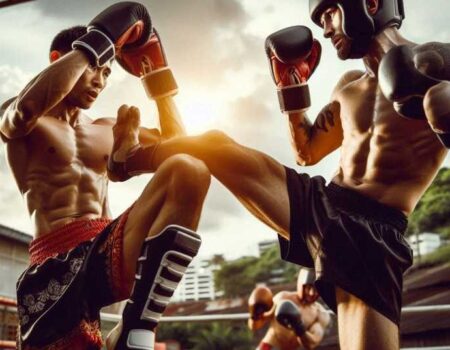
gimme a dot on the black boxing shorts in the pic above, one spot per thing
(74, 271)
(352, 241)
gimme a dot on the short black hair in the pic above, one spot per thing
(64, 39)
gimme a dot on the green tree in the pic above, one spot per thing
(226, 335)
(235, 278)
(432, 213)
(179, 331)
(220, 336)
(217, 260)
(239, 277)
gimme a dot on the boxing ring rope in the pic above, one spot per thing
(107, 317)
(244, 316)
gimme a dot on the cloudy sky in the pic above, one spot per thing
(216, 50)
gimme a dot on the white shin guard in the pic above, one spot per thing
(161, 266)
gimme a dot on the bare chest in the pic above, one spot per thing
(368, 116)
(363, 107)
(56, 144)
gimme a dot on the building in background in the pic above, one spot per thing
(198, 282)
(424, 243)
(13, 259)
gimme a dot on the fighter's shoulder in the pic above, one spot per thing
(440, 51)
(347, 78)
(433, 45)
(3, 108)
(5, 104)
(434, 58)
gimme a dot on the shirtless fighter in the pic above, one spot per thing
(296, 319)
(81, 260)
(350, 230)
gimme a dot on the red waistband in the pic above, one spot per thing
(265, 346)
(65, 238)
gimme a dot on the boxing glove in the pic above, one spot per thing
(293, 56)
(406, 86)
(148, 61)
(259, 302)
(288, 315)
(124, 24)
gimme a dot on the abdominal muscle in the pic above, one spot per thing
(395, 170)
(57, 199)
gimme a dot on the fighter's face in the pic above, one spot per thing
(89, 86)
(308, 294)
(332, 21)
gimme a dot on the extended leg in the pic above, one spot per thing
(256, 179)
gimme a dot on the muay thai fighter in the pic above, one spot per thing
(350, 230)
(81, 260)
(296, 320)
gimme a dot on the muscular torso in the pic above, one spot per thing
(384, 156)
(283, 338)
(61, 170)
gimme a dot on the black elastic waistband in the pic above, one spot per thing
(354, 202)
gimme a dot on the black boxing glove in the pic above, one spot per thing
(405, 85)
(125, 24)
(293, 56)
(288, 315)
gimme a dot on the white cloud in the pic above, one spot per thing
(13, 80)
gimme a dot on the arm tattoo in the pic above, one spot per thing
(325, 119)
(305, 127)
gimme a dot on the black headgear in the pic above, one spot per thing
(357, 22)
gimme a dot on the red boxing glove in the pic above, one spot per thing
(148, 61)
(259, 302)
(293, 56)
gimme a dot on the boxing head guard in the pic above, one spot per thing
(305, 277)
(358, 24)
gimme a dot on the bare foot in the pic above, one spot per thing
(126, 140)
(126, 132)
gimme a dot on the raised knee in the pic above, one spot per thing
(217, 138)
(189, 173)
